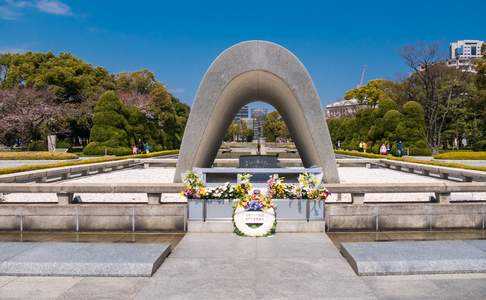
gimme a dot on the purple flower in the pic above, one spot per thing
(255, 205)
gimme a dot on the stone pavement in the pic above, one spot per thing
(224, 266)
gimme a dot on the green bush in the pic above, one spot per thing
(110, 127)
(412, 160)
(96, 149)
(37, 146)
(63, 144)
(480, 146)
(82, 162)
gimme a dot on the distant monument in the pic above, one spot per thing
(249, 71)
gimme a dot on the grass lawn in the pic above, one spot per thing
(412, 160)
(36, 155)
(83, 162)
(462, 155)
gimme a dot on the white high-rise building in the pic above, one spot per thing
(463, 53)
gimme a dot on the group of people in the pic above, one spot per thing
(140, 148)
(385, 149)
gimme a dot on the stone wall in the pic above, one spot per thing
(93, 217)
(382, 217)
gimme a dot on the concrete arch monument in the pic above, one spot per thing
(249, 71)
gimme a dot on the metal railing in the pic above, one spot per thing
(65, 191)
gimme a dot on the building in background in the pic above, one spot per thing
(342, 108)
(243, 113)
(258, 120)
(463, 53)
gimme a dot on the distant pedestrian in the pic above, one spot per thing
(383, 150)
(140, 146)
(400, 148)
(455, 144)
(388, 148)
(360, 147)
(134, 149)
(464, 142)
(147, 148)
(339, 145)
(365, 147)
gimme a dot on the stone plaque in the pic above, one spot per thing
(258, 161)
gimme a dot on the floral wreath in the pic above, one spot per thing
(250, 200)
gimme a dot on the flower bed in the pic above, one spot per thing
(241, 203)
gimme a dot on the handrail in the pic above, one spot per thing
(439, 187)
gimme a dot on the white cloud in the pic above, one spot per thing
(53, 7)
(8, 13)
(13, 9)
(178, 90)
(13, 50)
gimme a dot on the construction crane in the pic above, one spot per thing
(363, 72)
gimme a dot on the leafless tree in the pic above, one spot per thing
(434, 85)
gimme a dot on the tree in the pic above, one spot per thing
(25, 113)
(275, 128)
(110, 130)
(437, 87)
(411, 129)
(370, 94)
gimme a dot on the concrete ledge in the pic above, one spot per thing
(210, 226)
(300, 226)
(416, 216)
(81, 259)
(282, 226)
(416, 257)
(93, 217)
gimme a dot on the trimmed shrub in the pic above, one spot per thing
(480, 146)
(411, 159)
(96, 149)
(82, 162)
(462, 155)
(37, 155)
(110, 127)
(37, 146)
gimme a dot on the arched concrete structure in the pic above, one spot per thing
(249, 71)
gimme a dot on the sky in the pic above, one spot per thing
(178, 40)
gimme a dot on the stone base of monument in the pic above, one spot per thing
(416, 257)
(81, 259)
(282, 226)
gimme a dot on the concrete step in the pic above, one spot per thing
(81, 259)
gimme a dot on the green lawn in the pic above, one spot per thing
(36, 155)
(412, 160)
(82, 162)
(462, 155)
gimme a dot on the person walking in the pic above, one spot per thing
(147, 148)
(134, 149)
(365, 147)
(383, 150)
(360, 147)
(400, 148)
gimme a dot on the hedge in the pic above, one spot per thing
(412, 160)
(94, 149)
(462, 155)
(82, 162)
(36, 155)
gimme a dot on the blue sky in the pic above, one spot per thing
(179, 39)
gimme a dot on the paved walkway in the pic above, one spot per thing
(224, 266)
